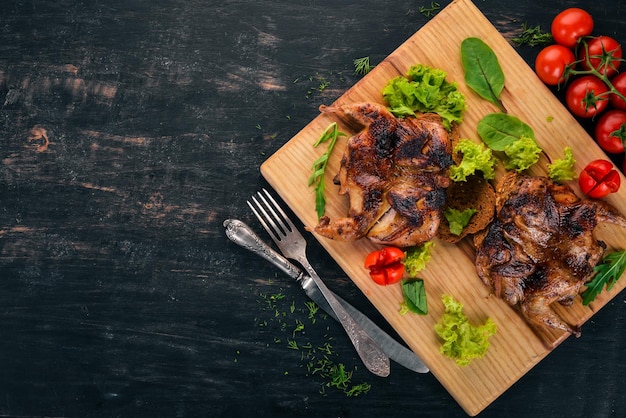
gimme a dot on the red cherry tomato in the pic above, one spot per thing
(551, 63)
(385, 265)
(610, 131)
(570, 25)
(586, 96)
(604, 53)
(619, 82)
(598, 179)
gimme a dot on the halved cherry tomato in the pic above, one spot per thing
(586, 96)
(551, 63)
(610, 131)
(604, 53)
(570, 25)
(598, 179)
(385, 265)
(619, 82)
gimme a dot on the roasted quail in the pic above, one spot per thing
(540, 247)
(395, 173)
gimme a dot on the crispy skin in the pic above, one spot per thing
(540, 249)
(395, 173)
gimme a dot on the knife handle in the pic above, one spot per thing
(241, 234)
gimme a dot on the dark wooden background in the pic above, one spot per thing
(119, 292)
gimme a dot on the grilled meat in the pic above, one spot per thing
(540, 249)
(395, 174)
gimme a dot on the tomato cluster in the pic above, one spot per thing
(588, 68)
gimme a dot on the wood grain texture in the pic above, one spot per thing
(517, 347)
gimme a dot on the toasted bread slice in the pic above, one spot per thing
(476, 193)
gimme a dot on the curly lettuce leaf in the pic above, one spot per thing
(563, 169)
(476, 157)
(458, 219)
(462, 341)
(424, 90)
(416, 258)
(521, 154)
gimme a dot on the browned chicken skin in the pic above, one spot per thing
(395, 173)
(540, 249)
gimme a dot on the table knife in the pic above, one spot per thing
(241, 234)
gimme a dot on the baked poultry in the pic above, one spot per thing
(540, 248)
(394, 172)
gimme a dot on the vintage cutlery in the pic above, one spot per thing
(293, 245)
(241, 234)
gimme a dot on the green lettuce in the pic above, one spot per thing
(416, 258)
(476, 157)
(521, 154)
(563, 169)
(461, 340)
(458, 219)
(425, 90)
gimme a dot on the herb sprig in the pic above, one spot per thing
(362, 66)
(607, 273)
(431, 11)
(319, 167)
(532, 36)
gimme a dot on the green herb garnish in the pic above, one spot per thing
(319, 167)
(498, 130)
(563, 169)
(476, 157)
(414, 294)
(431, 11)
(423, 90)
(521, 154)
(458, 219)
(532, 36)
(416, 258)
(607, 273)
(483, 73)
(462, 340)
(362, 66)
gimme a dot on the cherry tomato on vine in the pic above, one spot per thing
(570, 25)
(598, 179)
(551, 63)
(604, 53)
(586, 96)
(619, 82)
(385, 265)
(610, 131)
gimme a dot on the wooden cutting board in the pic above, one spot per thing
(516, 347)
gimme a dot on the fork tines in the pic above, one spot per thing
(267, 210)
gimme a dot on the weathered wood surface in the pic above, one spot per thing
(121, 296)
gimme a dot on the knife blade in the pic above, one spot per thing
(241, 234)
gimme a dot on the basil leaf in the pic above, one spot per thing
(415, 296)
(483, 73)
(499, 130)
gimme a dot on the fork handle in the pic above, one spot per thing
(373, 357)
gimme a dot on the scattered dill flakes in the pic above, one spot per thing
(431, 11)
(288, 322)
(532, 36)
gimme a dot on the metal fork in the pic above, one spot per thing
(293, 245)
